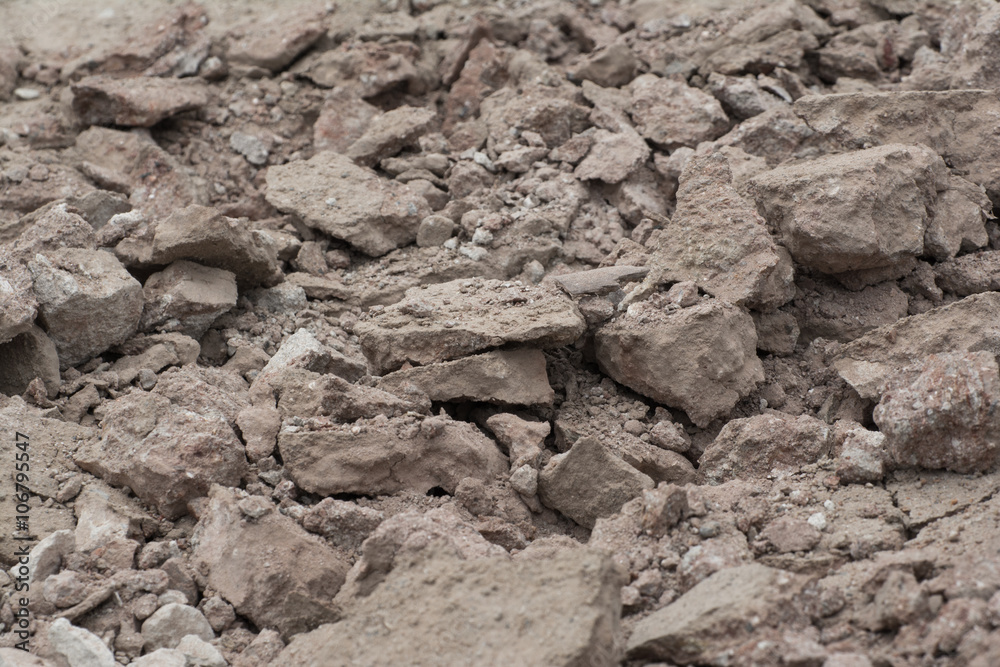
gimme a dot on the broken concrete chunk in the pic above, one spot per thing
(187, 297)
(342, 120)
(302, 350)
(589, 482)
(302, 393)
(204, 235)
(507, 377)
(859, 210)
(461, 317)
(572, 598)
(964, 326)
(712, 616)
(862, 457)
(603, 280)
(958, 220)
(78, 646)
(946, 416)
(389, 133)
(135, 102)
(754, 446)
(375, 457)
(73, 284)
(613, 157)
(331, 193)
(718, 366)
(671, 113)
(232, 550)
(171, 623)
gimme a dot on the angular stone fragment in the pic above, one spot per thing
(377, 457)
(445, 611)
(862, 457)
(136, 101)
(789, 534)
(718, 240)
(969, 274)
(754, 446)
(613, 157)
(78, 646)
(859, 210)
(342, 120)
(276, 41)
(947, 417)
(523, 439)
(302, 350)
(204, 235)
(302, 393)
(390, 133)
(367, 68)
(295, 594)
(958, 220)
(147, 440)
(611, 67)
(18, 306)
(712, 616)
(603, 280)
(701, 359)
(171, 623)
(671, 113)
(458, 318)
(970, 324)
(73, 284)
(589, 482)
(507, 377)
(187, 297)
(29, 355)
(344, 524)
(331, 193)
(956, 124)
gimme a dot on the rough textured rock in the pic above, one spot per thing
(964, 326)
(712, 616)
(171, 623)
(78, 646)
(378, 457)
(140, 102)
(302, 393)
(330, 193)
(18, 306)
(302, 350)
(276, 41)
(756, 445)
(602, 280)
(187, 297)
(460, 317)
(719, 364)
(29, 355)
(858, 210)
(71, 285)
(946, 416)
(718, 240)
(230, 549)
(613, 157)
(588, 482)
(390, 133)
(471, 605)
(671, 113)
(507, 377)
(203, 235)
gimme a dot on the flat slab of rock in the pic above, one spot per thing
(137, 101)
(461, 317)
(507, 377)
(589, 482)
(604, 280)
(303, 350)
(376, 457)
(717, 239)
(970, 324)
(859, 210)
(389, 133)
(275, 42)
(957, 124)
(234, 541)
(202, 234)
(701, 359)
(713, 616)
(71, 285)
(450, 612)
(333, 194)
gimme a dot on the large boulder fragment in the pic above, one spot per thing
(187, 297)
(202, 234)
(589, 482)
(957, 124)
(264, 564)
(167, 454)
(948, 416)
(381, 457)
(74, 284)
(434, 609)
(713, 616)
(754, 446)
(30, 355)
(457, 318)
(718, 240)
(701, 359)
(972, 324)
(331, 193)
(672, 114)
(859, 210)
(507, 377)
(136, 101)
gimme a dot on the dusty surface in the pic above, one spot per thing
(579, 333)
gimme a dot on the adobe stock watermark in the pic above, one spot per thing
(23, 539)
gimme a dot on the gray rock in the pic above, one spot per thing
(434, 230)
(162, 657)
(302, 350)
(171, 623)
(250, 147)
(589, 482)
(199, 653)
(78, 646)
(137, 101)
